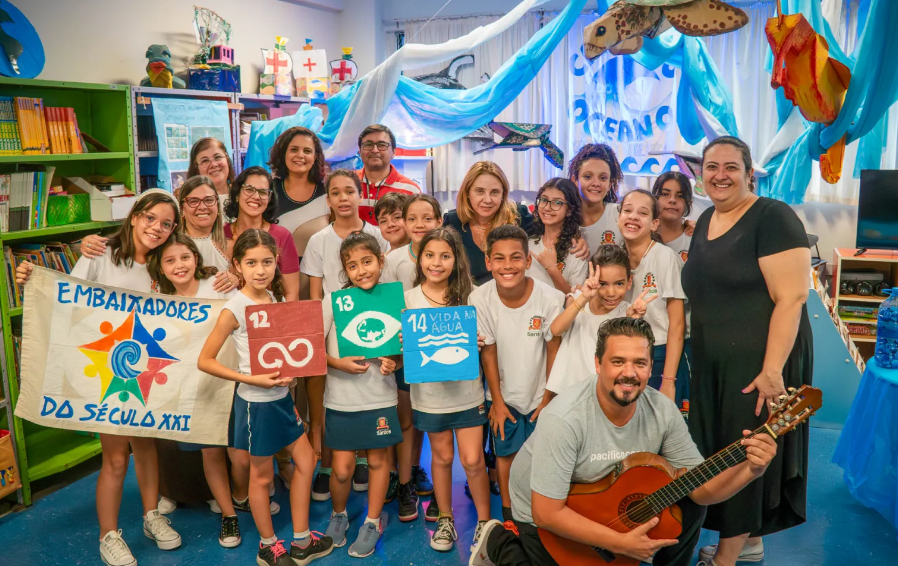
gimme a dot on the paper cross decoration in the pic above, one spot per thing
(440, 344)
(311, 64)
(286, 337)
(367, 322)
(277, 60)
(343, 70)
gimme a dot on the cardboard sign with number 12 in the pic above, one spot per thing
(368, 321)
(286, 337)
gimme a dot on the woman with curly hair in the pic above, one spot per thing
(555, 227)
(598, 176)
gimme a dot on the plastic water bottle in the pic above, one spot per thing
(887, 332)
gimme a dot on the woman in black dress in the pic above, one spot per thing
(747, 282)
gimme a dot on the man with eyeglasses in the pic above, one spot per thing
(378, 175)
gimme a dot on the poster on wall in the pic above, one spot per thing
(108, 360)
(180, 123)
(617, 101)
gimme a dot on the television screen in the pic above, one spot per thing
(877, 210)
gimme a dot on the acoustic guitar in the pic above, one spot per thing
(645, 485)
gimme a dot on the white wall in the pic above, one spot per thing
(105, 41)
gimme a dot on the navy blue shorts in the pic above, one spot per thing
(515, 433)
(362, 430)
(439, 422)
(401, 385)
(263, 429)
(684, 372)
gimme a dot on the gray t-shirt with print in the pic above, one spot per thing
(574, 442)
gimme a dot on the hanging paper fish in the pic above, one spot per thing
(811, 79)
(626, 22)
(521, 137)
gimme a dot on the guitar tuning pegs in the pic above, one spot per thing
(792, 390)
(783, 398)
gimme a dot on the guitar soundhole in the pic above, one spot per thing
(633, 511)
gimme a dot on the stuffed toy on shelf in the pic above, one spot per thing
(160, 73)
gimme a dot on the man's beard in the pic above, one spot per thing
(625, 381)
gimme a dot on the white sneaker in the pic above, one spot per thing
(166, 505)
(478, 553)
(158, 528)
(213, 506)
(749, 553)
(114, 551)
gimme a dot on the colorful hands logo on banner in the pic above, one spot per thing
(627, 106)
(128, 360)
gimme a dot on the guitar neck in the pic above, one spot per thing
(732, 455)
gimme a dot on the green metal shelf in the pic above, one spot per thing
(56, 230)
(51, 158)
(51, 451)
(15, 312)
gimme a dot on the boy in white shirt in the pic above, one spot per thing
(514, 313)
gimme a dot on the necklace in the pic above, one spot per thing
(426, 296)
(412, 254)
(651, 243)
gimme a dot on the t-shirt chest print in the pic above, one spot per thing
(608, 237)
(650, 282)
(536, 325)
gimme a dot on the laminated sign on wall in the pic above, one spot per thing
(440, 344)
(367, 322)
(287, 338)
(102, 359)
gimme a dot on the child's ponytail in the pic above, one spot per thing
(277, 285)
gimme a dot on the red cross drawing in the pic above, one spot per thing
(275, 62)
(309, 64)
(342, 70)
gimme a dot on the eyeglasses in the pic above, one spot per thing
(152, 220)
(249, 190)
(552, 204)
(194, 202)
(217, 158)
(381, 146)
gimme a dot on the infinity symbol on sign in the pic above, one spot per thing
(286, 353)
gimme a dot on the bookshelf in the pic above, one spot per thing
(104, 113)
(881, 261)
(260, 107)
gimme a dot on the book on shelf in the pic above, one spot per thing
(23, 198)
(56, 256)
(146, 134)
(28, 127)
(10, 142)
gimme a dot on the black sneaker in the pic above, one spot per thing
(360, 477)
(392, 488)
(433, 512)
(408, 502)
(321, 487)
(229, 537)
(273, 555)
(494, 488)
(317, 548)
(423, 485)
(273, 506)
(444, 537)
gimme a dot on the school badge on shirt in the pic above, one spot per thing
(383, 426)
(684, 255)
(650, 283)
(536, 325)
(607, 237)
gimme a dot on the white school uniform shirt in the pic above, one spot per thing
(400, 266)
(604, 231)
(519, 335)
(576, 355)
(322, 256)
(447, 396)
(351, 392)
(251, 393)
(207, 290)
(573, 269)
(680, 246)
(658, 271)
(212, 256)
(102, 270)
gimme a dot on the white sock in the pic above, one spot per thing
(373, 521)
(270, 541)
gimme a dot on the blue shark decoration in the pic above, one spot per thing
(521, 137)
(440, 344)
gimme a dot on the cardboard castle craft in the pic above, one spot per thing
(311, 70)
(440, 344)
(367, 322)
(276, 77)
(286, 337)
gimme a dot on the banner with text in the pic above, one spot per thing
(109, 360)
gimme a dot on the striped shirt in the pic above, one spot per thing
(395, 182)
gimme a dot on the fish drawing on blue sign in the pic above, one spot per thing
(450, 355)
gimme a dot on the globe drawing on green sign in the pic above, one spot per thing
(371, 330)
(368, 322)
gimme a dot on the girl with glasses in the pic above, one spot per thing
(252, 205)
(556, 225)
(144, 231)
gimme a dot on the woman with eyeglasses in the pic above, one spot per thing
(252, 204)
(555, 228)
(147, 227)
(203, 222)
(210, 157)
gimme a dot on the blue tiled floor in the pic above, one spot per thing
(61, 528)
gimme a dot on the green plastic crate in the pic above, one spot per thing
(68, 209)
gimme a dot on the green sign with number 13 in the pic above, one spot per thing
(368, 322)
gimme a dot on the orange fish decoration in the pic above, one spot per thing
(811, 79)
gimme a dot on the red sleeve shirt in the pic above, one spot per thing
(395, 182)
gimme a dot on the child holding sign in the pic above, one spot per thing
(360, 405)
(443, 279)
(265, 418)
(513, 314)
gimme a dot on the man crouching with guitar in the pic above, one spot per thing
(581, 437)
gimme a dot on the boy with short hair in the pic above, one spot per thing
(514, 314)
(388, 212)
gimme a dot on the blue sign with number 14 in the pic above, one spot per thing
(440, 344)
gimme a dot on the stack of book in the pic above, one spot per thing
(57, 256)
(28, 127)
(23, 199)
